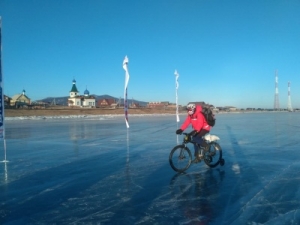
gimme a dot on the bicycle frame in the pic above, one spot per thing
(208, 139)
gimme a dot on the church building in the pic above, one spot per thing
(77, 100)
(20, 100)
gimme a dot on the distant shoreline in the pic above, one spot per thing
(82, 111)
(58, 112)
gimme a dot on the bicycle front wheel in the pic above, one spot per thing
(213, 155)
(180, 158)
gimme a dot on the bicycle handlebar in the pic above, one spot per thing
(187, 138)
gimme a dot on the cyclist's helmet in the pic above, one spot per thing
(191, 108)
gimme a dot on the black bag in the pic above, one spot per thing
(209, 116)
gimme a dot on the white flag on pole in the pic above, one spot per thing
(177, 86)
(125, 67)
(2, 130)
(2, 127)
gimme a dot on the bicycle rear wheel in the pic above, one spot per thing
(180, 158)
(213, 155)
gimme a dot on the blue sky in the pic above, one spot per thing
(226, 52)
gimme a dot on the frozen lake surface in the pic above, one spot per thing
(96, 171)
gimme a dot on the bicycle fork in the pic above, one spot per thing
(182, 155)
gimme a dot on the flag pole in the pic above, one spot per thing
(176, 90)
(125, 67)
(2, 127)
(176, 86)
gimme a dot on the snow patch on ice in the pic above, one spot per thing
(236, 168)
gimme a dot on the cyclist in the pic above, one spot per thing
(199, 125)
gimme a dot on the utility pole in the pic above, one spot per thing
(289, 106)
(276, 100)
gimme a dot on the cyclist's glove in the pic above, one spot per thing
(179, 131)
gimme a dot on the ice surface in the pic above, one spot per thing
(93, 170)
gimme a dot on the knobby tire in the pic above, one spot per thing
(213, 156)
(180, 158)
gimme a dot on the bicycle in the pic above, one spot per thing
(180, 157)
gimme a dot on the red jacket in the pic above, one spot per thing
(197, 120)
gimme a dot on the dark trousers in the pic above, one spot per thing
(199, 140)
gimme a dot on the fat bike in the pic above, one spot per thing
(180, 157)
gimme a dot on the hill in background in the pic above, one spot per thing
(64, 100)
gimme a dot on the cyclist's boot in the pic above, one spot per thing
(197, 157)
(200, 156)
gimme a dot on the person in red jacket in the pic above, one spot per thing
(199, 125)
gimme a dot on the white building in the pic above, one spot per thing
(77, 100)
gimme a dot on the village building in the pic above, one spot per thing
(107, 103)
(7, 101)
(230, 108)
(20, 100)
(134, 105)
(157, 105)
(76, 100)
(174, 106)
